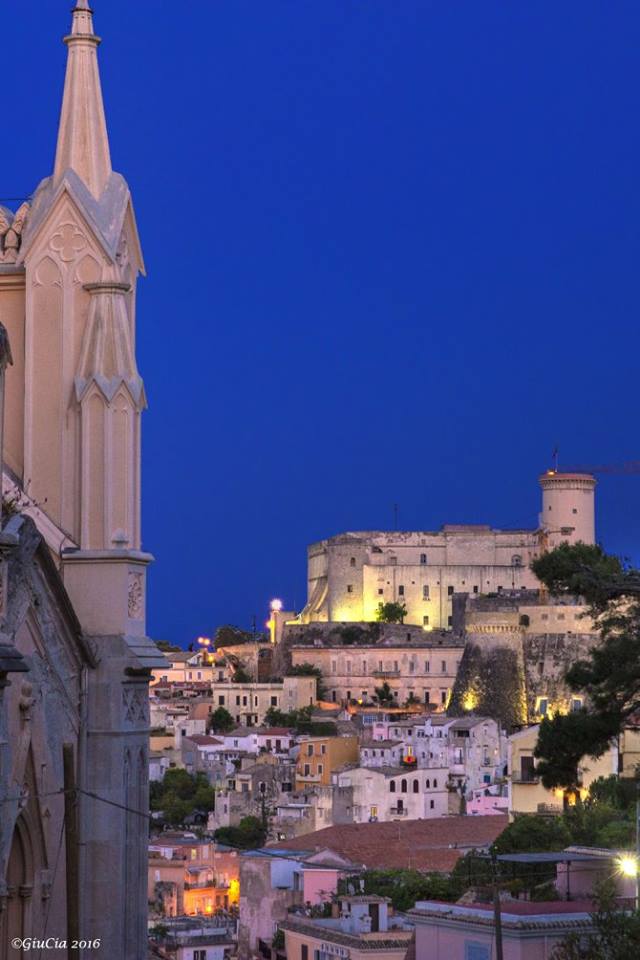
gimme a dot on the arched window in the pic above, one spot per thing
(403, 786)
(427, 784)
(352, 561)
(516, 560)
(435, 783)
(416, 786)
(392, 786)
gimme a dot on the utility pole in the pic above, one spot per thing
(71, 848)
(497, 915)
(638, 845)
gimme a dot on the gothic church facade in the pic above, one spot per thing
(75, 660)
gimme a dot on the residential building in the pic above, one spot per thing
(183, 938)
(319, 756)
(432, 844)
(390, 793)
(364, 928)
(356, 660)
(526, 791)
(274, 880)
(248, 703)
(191, 876)
(529, 930)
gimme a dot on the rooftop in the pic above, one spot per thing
(434, 844)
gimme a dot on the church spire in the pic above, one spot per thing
(83, 144)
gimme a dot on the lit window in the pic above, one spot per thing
(542, 706)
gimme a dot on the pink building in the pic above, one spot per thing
(484, 806)
(530, 931)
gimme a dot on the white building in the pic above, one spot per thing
(391, 793)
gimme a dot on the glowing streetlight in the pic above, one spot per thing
(276, 605)
(628, 865)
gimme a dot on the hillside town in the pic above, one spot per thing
(436, 756)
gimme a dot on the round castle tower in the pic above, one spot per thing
(568, 507)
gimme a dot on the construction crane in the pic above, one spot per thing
(629, 468)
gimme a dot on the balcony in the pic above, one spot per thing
(308, 777)
(206, 885)
(527, 778)
(384, 674)
(398, 811)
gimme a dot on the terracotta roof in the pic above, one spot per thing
(434, 844)
(201, 740)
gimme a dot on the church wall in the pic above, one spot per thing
(12, 307)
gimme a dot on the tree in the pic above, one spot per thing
(384, 694)
(220, 721)
(609, 675)
(230, 636)
(616, 935)
(251, 832)
(180, 794)
(532, 834)
(167, 647)
(241, 675)
(391, 612)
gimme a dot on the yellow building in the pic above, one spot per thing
(319, 756)
(630, 751)
(526, 792)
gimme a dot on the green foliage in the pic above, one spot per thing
(562, 743)
(301, 721)
(391, 612)
(250, 832)
(532, 834)
(582, 570)
(610, 675)
(220, 721)
(277, 943)
(616, 935)
(179, 794)
(384, 694)
(241, 675)
(308, 670)
(230, 636)
(404, 887)
(167, 647)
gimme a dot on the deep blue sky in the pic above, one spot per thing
(392, 253)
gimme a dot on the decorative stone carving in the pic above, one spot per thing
(68, 241)
(11, 228)
(136, 596)
(135, 701)
(26, 700)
